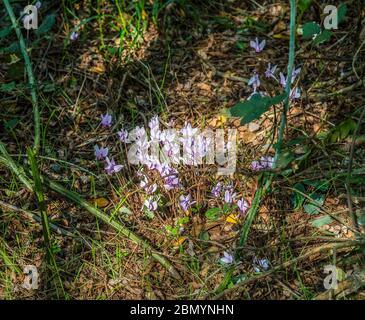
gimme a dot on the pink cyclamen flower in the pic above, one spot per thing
(295, 93)
(254, 82)
(106, 120)
(150, 204)
(216, 191)
(185, 202)
(229, 196)
(282, 80)
(111, 167)
(270, 71)
(123, 136)
(258, 46)
(227, 258)
(264, 163)
(261, 264)
(171, 182)
(149, 188)
(74, 36)
(242, 205)
(101, 153)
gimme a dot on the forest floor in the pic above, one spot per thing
(190, 65)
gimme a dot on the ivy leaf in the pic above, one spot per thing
(47, 24)
(310, 29)
(324, 36)
(322, 221)
(253, 108)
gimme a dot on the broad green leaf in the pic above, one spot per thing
(314, 207)
(253, 108)
(324, 36)
(341, 12)
(321, 221)
(213, 213)
(47, 24)
(310, 29)
(304, 5)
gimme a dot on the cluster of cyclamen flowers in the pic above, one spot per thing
(255, 82)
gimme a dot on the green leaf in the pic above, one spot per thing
(11, 124)
(297, 199)
(321, 221)
(253, 108)
(310, 29)
(361, 220)
(285, 159)
(304, 5)
(324, 36)
(4, 32)
(7, 87)
(204, 235)
(47, 24)
(213, 213)
(313, 207)
(241, 45)
(341, 12)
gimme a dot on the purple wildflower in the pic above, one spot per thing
(216, 191)
(227, 258)
(229, 196)
(149, 188)
(295, 93)
(258, 46)
(74, 36)
(282, 80)
(261, 264)
(101, 153)
(270, 71)
(185, 202)
(265, 162)
(242, 205)
(150, 204)
(111, 167)
(123, 136)
(106, 120)
(171, 182)
(38, 4)
(254, 82)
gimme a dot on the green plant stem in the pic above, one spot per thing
(288, 81)
(38, 190)
(31, 81)
(264, 187)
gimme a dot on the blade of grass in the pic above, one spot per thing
(31, 81)
(73, 196)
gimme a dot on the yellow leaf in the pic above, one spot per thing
(179, 242)
(100, 202)
(280, 36)
(232, 218)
